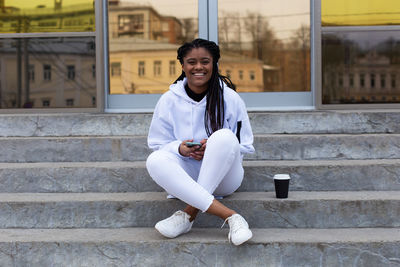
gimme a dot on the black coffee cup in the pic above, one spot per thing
(281, 182)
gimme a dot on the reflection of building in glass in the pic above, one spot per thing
(60, 18)
(47, 72)
(148, 66)
(142, 22)
(370, 79)
(144, 44)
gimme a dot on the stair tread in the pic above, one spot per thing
(277, 135)
(202, 235)
(249, 163)
(238, 196)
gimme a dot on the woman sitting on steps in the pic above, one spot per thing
(200, 131)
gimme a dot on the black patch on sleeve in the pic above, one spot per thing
(239, 127)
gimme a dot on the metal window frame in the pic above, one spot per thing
(318, 31)
(100, 61)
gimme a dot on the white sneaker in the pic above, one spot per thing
(239, 231)
(175, 225)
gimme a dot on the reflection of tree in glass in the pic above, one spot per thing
(286, 63)
(263, 37)
(188, 30)
(391, 49)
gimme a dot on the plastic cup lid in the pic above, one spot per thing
(282, 177)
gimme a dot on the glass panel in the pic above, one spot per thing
(143, 39)
(360, 67)
(360, 12)
(47, 72)
(22, 16)
(265, 47)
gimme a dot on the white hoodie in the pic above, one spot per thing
(177, 117)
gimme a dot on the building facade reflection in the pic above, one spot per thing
(361, 67)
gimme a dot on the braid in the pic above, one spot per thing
(215, 111)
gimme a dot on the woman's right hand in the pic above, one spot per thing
(185, 151)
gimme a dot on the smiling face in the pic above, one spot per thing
(198, 67)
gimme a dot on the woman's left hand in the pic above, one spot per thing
(199, 153)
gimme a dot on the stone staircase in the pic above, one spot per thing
(74, 191)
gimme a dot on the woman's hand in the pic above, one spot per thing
(196, 152)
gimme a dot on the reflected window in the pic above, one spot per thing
(372, 80)
(93, 71)
(47, 72)
(340, 79)
(172, 68)
(131, 25)
(31, 73)
(69, 102)
(362, 80)
(393, 82)
(383, 81)
(115, 69)
(157, 68)
(141, 68)
(46, 103)
(228, 74)
(252, 75)
(351, 80)
(71, 72)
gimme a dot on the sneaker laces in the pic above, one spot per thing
(235, 223)
(176, 219)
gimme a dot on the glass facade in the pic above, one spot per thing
(46, 72)
(47, 54)
(360, 56)
(21, 16)
(265, 47)
(360, 67)
(143, 39)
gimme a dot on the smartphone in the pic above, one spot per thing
(190, 144)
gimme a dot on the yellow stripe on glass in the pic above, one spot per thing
(360, 12)
(22, 16)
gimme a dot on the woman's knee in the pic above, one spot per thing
(224, 138)
(155, 160)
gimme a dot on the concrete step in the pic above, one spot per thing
(107, 177)
(200, 247)
(261, 209)
(134, 148)
(76, 124)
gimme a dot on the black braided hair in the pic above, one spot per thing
(215, 112)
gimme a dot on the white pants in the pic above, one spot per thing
(220, 172)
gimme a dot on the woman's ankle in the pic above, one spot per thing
(192, 212)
